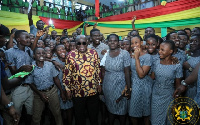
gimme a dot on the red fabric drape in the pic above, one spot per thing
(97, 8)
(61, 24)
(155, 11)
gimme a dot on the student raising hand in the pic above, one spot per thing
(39, 33)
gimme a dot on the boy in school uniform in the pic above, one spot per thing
(20, 58)
(43, 80)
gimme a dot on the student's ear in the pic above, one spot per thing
(171, 51)
(18, 39)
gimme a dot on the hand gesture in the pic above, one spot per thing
(99, 88)
(86, 25)
(137, 53)
(126, 92)
(58, 39)
(175, 60)
(179, 90)
(69, 95)
(133, 19)
(44, 98)
(103, 52)
(39, 33)
(63, 96)
(95, 25)
(12, 35)
(26, 68)
(14, 114)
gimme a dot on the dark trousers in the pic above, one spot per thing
(91, 103)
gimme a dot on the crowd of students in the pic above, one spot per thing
(135, 78)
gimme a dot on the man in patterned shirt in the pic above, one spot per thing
(82, 80)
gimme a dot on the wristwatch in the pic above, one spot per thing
(9, 105)
(183, 83)
(190, 69)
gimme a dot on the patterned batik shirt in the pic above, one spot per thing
(82, 73)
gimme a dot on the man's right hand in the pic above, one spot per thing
(44, 98)
(69, 95)
(179, 90)
(14, 114)
(26, 68)
(133, 19)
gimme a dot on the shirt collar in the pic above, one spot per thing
(34, 63)
(97, 46)
(16, 47)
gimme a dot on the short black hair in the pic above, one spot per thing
(151, 28)
(18, 33)
(93, 30)
(58, 45)
(168, 35)
(39, 21)
(113, 35)
(197, 28)
(138, 36)
(152, 36)
(135, 31)
(34, 51)
(72, 41)
(183, 32)
(160, 40)
(62, 38)
(170, 43)
(188, 29)
(197, 35)
(4, 30)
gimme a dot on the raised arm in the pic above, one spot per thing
(10, 43)
(192, 78)
(142, 71)
(95, 25)
(133, 22)
(38, 35)
(30, 17)
(85, 26)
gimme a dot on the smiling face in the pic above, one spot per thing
(72, 46)
(135, 43)
(127, 45)
(174, 37)
(151, 45)
(40, 55)
(48, 52)
(95, 37)
(32, 37)
(60, 51)
(194, 43)
(195, 31)
(183, 41)
(113, 42)
(165, 50)
(65, 42)
(53, 34)
(81, 44)
(40, 44)
(51, 44)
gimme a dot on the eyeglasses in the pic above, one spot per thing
(81, 43)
